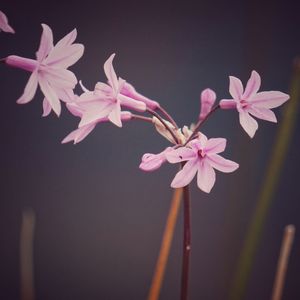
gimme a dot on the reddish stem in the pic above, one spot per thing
(186, 243)
(168, 116)
(200, 123)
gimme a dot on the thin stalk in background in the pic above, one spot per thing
(186, 243)
(268, 188)
(26, 255)
(285, 251)
(165, 246)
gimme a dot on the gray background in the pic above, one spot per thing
(99, 218)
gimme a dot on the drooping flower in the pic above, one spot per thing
(106, 99)
(82, 132)
(201, 156)
(151, 162)
(49, 70)
(207, 99)
(250, 101)
(4, 26)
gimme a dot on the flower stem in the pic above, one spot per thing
(167, 115)
(186, 243)
(141, 118)
(200, 123)
(283, 260)
(155, 114)
(165, 246)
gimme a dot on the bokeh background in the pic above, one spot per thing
(99, 219)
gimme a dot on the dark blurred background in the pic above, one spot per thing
(99, 219)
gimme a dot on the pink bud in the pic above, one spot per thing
(208, 98)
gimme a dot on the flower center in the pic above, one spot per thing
(201, 153)
(244, 103)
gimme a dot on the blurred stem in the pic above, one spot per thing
(165, 246)
(268, 188)
(186, 243)
(167, 115)
(26, 255)
(283, 260)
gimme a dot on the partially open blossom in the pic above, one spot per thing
(151, 162)
(106, 99)
(207, 99)
(4, 26)
(81, 133)
(49, 70)
(201, 156)
(250, 101)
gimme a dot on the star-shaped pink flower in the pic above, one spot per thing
(4, 26)
(201, 156)
(49, 70)
(81, 133)
(106, 99)
(251, 102)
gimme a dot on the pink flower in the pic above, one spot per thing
(208, 98)
(151, 162)
(4, 26)
(82, 132)
(251, 102)
(106, 99)
(49, 70)
(201, 156)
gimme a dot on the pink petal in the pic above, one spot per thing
(186, 175)
(92, 115)
(215, 145)
(66, 95)
(67, 40)
(133, 104)
(221, 164)
(110, 73)
(75, 109)
(269, 99)
(248, 123)
(180, 154)
(46, 108)
(235, 87)
(129, 91)
(103, 88)
(30, 89)
(79, 134)
(115, 115)
(50, 95)
(64, 57)
(263, 113)
(252, 86)
(208, 98)
(60, 78)
(46, 43)
(206, 176)
(4, 26)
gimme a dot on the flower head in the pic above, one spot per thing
(201, 156)
(250, 101)
(4, 26)
(49, 70)
(106, 99)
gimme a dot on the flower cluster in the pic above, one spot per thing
(106, 103)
